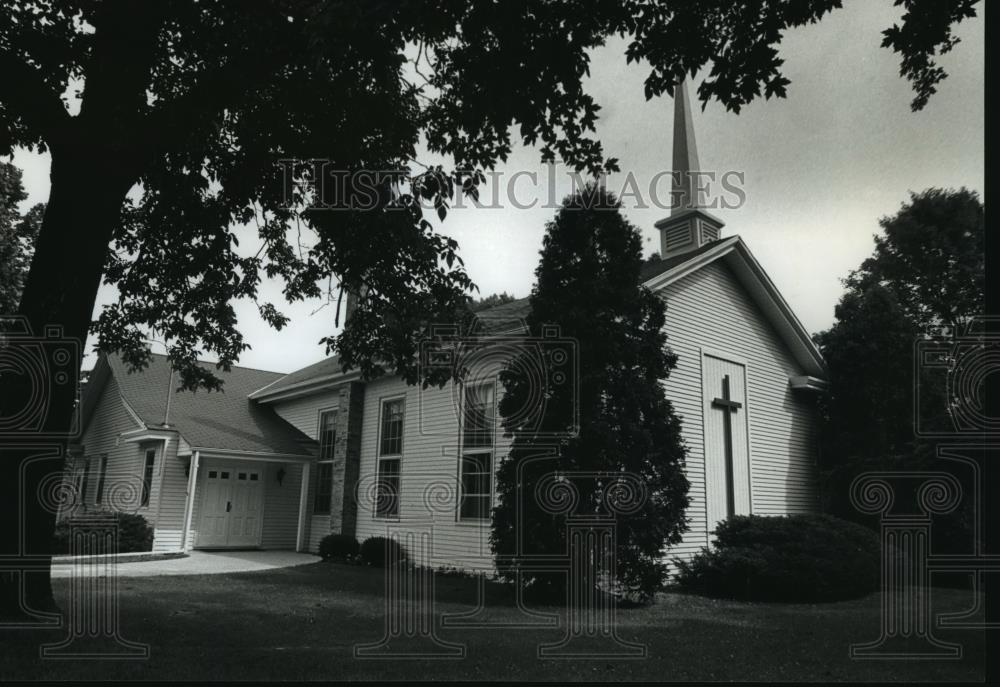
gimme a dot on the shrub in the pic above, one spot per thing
(338, 546)
(376, 551)
(134, 533)
(786, 558)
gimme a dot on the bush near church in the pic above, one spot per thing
(134, 534)
(338, 547)
(786, 558)
(379, 551)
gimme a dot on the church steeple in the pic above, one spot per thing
(685, 153)
(689, 226)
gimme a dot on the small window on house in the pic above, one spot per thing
(147, 476)
(327, 434)
(253, 476)
(242, 476)
(101, 478)
(390, 454)
(478, 431)
(324, 488)
(224, 475)
(212, 474)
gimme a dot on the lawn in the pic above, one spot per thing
(303, 622)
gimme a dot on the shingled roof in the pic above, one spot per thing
(226, 420)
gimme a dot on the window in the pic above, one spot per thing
(101, 477)
(390, 452)
(86, 480)
(327, 434)
(147, 476)
(478, 430)
(324, 488)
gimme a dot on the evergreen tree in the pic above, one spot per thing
(588, 284)
(491, 301)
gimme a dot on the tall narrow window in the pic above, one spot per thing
(324, 488)
(327, 434)
(101, 477)
(390, 452)
(85, 484)
(478, 430)
(147, 476)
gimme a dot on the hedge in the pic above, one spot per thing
(786, 558)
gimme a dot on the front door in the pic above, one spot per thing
(232, 506)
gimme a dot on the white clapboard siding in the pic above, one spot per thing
(303, 413)
(170, 516)
(281, 505)
(429, 476)
(123, 480)
(710, 309)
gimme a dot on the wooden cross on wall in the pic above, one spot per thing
(728, 407)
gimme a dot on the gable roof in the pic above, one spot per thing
(733, 252)
(508, 317)
(226, 420)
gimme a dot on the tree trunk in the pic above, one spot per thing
(84, 206)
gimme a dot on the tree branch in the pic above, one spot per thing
(169, 123)
(26, 96)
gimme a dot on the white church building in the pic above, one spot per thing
(280, 461)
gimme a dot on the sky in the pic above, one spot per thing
(819, 169)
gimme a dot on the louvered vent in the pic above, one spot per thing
(709, 232)
(678, 236)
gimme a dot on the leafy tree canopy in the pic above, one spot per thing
(931, 255)
(927, 270)
(194, 103)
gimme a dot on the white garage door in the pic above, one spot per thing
(232, 506)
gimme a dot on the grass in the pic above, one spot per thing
(303, 622)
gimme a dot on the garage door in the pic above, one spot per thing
(232, 506)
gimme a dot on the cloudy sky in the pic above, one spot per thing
(820, 168)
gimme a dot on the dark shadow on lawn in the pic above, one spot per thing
(449, 587)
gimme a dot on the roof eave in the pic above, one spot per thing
(303, 388)
(209, 451)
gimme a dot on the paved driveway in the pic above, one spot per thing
(197, 563)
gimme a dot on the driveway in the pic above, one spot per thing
(197, 563)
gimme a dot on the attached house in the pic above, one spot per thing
(279, 461)
(205, 469)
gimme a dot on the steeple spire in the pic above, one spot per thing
(685, 153)
(689, 226)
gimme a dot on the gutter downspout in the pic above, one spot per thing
(170, 388)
